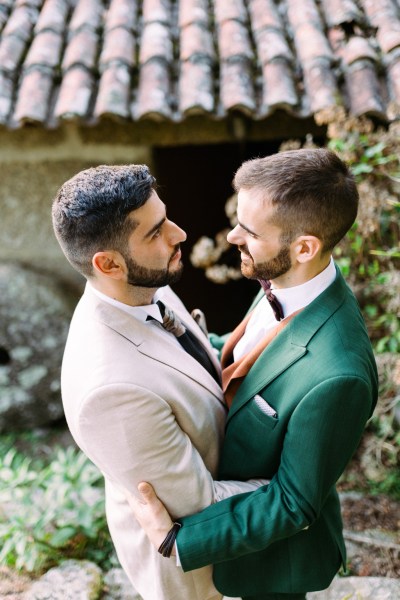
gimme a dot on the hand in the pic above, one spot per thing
(151, 514)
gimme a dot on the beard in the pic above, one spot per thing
(270, 269)
(140, 276)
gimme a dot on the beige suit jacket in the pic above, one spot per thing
(141, 408)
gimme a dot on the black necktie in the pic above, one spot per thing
(187, 340)
(274, 302)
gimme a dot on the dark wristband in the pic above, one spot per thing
(168, 543)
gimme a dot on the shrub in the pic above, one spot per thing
(52, 512)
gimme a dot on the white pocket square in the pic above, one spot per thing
(264, 406)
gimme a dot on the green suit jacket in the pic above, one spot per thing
(319, 375)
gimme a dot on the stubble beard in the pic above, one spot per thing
(140, 276)
(270, 269)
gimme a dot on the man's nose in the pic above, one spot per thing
(235, 237)
(177, 235)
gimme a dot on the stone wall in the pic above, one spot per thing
(33, 165)
(38, 287)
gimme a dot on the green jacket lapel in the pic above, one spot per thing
(291, 343)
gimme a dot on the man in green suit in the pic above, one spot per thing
(301, 381)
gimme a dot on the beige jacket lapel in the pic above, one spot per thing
(151, 341)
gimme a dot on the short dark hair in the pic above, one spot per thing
(90, 211)
(313, 191)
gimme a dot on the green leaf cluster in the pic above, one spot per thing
(52, 512)
(369, 255)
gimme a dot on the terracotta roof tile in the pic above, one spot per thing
(34, 97)
(384, 15)
(233, 40)
(321, 86)
(75, 94)
(196, 41)
(4, 13)
(193, 11)
(196, 88)
(263, 14)
(388, 37)
(154, 93)
(34, 3)
(271, 44)
(113, 98)
(155, 42)
(279, 89)
(122, 13)
(156, 10)
(234, 9)
(338, 12)
(237, 89)
(363, 89)
(45, 50)
(302, 12)
(358, 48)
(81, 50)
(379, 12)
(53, 16)
(394, 81)
(6, 92)
(87, 13)
(167, 59)
(119, 45)
(21, 22)
(311, 43)
(12, 49)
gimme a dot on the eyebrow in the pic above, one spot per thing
(247, 229)
(154, 228)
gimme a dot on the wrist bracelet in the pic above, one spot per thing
(168, 543)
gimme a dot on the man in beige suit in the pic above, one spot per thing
(137, 403)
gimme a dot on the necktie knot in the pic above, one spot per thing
(274, 302)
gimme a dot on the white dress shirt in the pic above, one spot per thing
(141, 312)
(292, 299)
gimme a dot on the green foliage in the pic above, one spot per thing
(363, 157)
(52, 512)
(369, 255)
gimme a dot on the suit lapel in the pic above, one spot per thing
(151, 341)
(290, 344)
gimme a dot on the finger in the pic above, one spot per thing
(147, 492)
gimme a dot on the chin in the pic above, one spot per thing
(247, 272)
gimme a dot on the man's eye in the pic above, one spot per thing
(156, 234)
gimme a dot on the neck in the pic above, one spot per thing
(125, 293)
(301, 273)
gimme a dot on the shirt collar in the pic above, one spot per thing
(299, 296)
(139, 312)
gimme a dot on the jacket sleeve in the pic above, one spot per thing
(323, 432)
(146, 443)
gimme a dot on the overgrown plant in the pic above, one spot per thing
(53, 512)
(369, 256)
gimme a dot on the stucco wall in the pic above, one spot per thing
(32, 168)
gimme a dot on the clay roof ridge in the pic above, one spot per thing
(75, 97)
(237, 64)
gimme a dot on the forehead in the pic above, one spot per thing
(254, 208)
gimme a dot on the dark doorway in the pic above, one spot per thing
(195, 182)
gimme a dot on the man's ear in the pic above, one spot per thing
(306, 248)
(109, 264)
